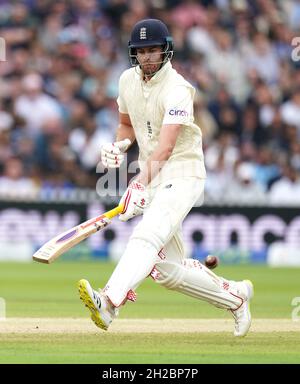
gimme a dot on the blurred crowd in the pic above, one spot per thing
(59, 83)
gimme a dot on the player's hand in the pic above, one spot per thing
(112, 154)
(135, 200)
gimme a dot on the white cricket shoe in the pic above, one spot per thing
(242, 315)
(102, 312)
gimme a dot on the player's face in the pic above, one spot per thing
(150, 59)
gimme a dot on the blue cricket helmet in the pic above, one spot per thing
(147, 33)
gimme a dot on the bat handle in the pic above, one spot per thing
(114, 212)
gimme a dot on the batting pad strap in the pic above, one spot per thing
(194, 279)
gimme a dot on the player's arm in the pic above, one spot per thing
(167, 141)
(136, 197)
(125, 129)
(112, 154)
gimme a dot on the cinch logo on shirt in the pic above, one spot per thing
(178, 112)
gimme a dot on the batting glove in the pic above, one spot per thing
(112, 154)
(135, 200)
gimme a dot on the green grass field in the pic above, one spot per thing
(49, 291)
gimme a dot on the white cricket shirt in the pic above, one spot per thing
(167, 98)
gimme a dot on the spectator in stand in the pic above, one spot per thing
(295, 155)
(290, 110)
(286, 190)
(283, 36)
(226, 142)
(217, 180)
(85, 142)
(266, 169)
(6, 122)
(227, 66)
(251, 130)
(35, 106)
(188, 14)
(266, 102)
(263, 60)
(13, 183)
(18, 27)
(244, 189)
(204, 119)
(221, 101)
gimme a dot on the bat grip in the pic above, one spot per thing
(114, 212)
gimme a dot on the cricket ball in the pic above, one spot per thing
(211, 261)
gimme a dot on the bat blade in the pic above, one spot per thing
(68, 239)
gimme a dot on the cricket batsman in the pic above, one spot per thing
(156, 109)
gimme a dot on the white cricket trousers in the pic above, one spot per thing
(160, 227)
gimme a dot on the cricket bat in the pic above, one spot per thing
(63, 242)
